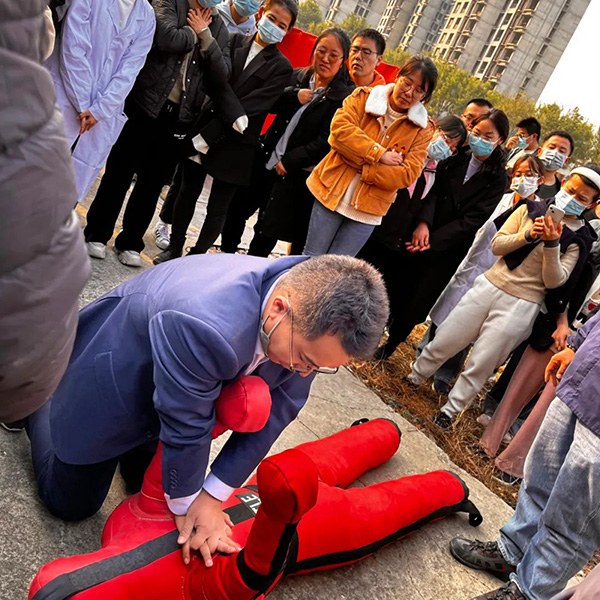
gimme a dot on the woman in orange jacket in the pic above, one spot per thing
(379, 141)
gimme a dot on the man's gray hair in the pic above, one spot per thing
(339, 295)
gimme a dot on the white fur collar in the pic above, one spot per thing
(377, 104)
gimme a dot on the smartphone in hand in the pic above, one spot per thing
(555, 213)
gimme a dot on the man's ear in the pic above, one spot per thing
(567, 161)
(379, 60)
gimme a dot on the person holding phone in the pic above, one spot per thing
(536, 254)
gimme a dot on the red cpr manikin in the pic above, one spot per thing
(294, 517)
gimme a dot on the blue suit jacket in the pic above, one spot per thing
(150, 359)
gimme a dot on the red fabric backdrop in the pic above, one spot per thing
(297, 46)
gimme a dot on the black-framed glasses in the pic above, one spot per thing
(311, 368)
(366, 52)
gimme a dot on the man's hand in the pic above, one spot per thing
(420, 239)
(87, 121)
(550, 231)
(205, 528)
(557, 366)
(304, 96)
(280, 169)
(510, 143)
(199, 19)
(391, 158)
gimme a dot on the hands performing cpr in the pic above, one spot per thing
(205, 528)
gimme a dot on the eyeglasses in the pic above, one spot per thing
(311, 368)
(406, 85)
(366, 52)
(333, 56)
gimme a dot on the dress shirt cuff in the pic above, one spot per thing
(216, 488)
(241, 123)
(200, 144)
(180, 506)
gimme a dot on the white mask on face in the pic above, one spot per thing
(524, 186)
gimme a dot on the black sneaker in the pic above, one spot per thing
(440, 387)
(484, 556)
(14, 427)
(442, 420)
(168, 254)
(509, 591)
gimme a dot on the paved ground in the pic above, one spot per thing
(418, 567)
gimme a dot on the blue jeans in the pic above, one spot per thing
(332, 233)
(556, 526)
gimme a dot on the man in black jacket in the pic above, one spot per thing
(188, 63)
(260, 73)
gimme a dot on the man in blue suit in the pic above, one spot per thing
(150, 359)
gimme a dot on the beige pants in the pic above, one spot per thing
(496, 321)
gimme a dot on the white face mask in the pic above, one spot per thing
(524, 186)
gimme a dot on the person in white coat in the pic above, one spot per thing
(100, 50)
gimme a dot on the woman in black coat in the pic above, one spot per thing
(467, 188)
(293, 145)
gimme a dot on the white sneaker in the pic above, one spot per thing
(131, 258)
(162, 234)
(96, 249)
(414, 379)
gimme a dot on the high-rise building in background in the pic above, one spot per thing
(512, 44)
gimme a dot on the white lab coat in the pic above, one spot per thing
(478, 260)
(94, 66)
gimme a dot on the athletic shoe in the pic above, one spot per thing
(165, 255)
(509, 591)
(506, 478)
(442, 420)
(14, 426)
(484, 556)
(162, 234)
(439, 387)
(96, 249)
(130, 258)
(484, 419)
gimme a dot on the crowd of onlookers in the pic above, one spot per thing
(478, 228)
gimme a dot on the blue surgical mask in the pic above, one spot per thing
(569, 204)
(269, 32)
(552, 159)
(265, 338)
(438, 149)
(522, 143)
(247, 8)
(479, 146)
(208, 3)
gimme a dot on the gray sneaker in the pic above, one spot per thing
(162, 234)
(484, 556)
(96, 249)
(131, 258)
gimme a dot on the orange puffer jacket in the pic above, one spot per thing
(358, 141)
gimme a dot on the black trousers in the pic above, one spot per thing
(147, 147)
(166, 211)
(245, 202)
(193, 176)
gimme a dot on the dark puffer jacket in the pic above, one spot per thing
(43, 264)
(173, 40)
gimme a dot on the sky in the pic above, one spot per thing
(574, 81)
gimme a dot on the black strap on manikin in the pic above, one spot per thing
(67, 585)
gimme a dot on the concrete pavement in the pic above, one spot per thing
(417, 567)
